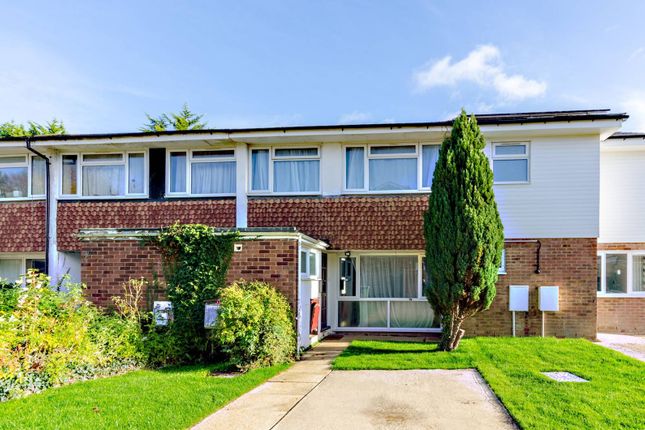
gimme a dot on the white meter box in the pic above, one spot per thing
(211, 312)
(162, 312)
(549, 299)
(518, 298)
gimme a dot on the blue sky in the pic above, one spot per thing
(100, 66)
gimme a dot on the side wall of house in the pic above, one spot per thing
(107, 264)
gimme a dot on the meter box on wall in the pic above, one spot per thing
(518, 298)
(211, 312)
(162, 312)
(549, 299)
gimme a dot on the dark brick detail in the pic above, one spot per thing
(374, 222)
(22, 226)
(567, 263)
(73, 216)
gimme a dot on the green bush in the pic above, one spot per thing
(255, 325)
(50, 338)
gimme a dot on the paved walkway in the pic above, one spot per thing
(309, 396)
(634, 346)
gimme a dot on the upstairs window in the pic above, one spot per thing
(104, 175)
(511, 163)
(285, 170)
(21, 176)
(202, 172)
(379, 168)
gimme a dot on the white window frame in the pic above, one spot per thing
(23, 260)
(190, 159)
(418, 154)
(272, 159)
(308, 274)
(29, 164)
(526, 156)
(357, 297)
(630, 274)
(126, 175)
(502, 266)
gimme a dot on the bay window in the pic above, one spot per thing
(383, 291)
(104, 175)
(390, 168)
(202, 172)
(21, 176)
(621, 273)
(285, 170)
(511, 163)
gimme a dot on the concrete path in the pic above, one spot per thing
(309, 396)
(263, 407)
(634, 346)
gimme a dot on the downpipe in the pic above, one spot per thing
(47, 198)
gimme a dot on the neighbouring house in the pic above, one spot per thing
(332, 215)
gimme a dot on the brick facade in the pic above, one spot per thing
(73, 216)
(621, 315)
(22, 226)
(567, 263)
(622, 246)
(347, 222)
(107, 264)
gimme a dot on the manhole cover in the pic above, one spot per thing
(564, 377)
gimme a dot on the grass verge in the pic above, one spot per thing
(613, 398)
(172, 398)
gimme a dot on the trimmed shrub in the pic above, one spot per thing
(255, 325)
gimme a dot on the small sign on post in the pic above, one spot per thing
(162, 312)
(211, 312)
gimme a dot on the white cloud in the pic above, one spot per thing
(484, 67)
(636, 54)
(634, 105)
(354, 118)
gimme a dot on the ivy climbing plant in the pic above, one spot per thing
(195, 261)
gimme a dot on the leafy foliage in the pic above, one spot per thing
(255, 325)
(11, 129)
(49, 338)
(185, 119)
(195, 262)
(463, 231)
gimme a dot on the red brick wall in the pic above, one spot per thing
(22, 226)
(347, 222)
(625, 246)
(621, 315)
(567, 263)
(107, 264)
(73, 216)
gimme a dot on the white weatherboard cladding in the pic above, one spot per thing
(561, 198)
(622, 196)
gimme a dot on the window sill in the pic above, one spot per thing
(276, 194)
(21, 199)
(380, 192)
(128, 197)
(513, 183)
(640, 295)
(194, 196)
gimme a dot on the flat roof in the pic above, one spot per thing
(627, 135)
(482, 119)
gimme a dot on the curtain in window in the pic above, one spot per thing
(13, 182)
(389, 276)
(355, 168)
(260, 170)
(178, 172)
(213, 178)
(136, 170)
(37, 176)
(10, 270)
(296, 176)
(412, 315)
(296, 152)
(393, 174)
(639, 273)
(430, 156)
(103, 180)
(362, 314)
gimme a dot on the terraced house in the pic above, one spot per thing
(332, 215)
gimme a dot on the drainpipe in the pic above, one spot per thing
(47, 199)
(298, 288)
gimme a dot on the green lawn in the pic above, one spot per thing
(173, 398)
(613, 399)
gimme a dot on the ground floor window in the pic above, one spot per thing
(383, 291)
(14, 266)
(621, 273)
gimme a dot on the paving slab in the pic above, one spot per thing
(399, 399)
(631, 345)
